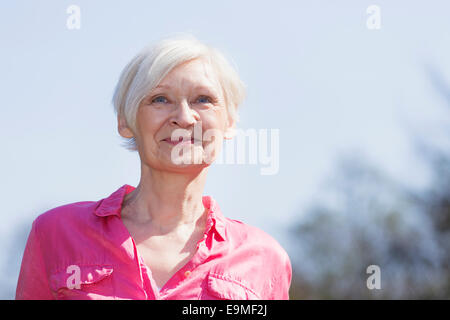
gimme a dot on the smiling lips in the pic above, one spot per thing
(180, 140)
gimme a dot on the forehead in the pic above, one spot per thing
(197, 72)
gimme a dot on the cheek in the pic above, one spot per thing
(213, 137)
(214, 125)
(215, 119)
(148, 124)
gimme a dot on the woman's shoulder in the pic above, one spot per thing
(246, 235)
(246, 232)
(66, 214)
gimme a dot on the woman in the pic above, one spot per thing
(176, 102)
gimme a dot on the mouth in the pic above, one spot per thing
(180, 141)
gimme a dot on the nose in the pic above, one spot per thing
(184, 116)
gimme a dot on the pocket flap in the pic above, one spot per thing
(226, 287)
(76, 276)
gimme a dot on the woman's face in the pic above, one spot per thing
(187, 103)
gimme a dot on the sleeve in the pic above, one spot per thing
(282, 279)
(33, 282)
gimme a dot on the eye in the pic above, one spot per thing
(205, 99)
(159, 99)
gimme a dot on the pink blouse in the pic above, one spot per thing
(83, 250)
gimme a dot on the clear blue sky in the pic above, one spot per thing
(313, 70)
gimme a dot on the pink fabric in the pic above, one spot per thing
(83, 251)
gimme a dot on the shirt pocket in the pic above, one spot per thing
(226, 287)
(83, 282)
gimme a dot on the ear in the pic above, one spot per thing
(123, 129)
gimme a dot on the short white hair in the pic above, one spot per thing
(145, 71)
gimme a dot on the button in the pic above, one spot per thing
(187, 274)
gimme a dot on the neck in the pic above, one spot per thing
(165, 199)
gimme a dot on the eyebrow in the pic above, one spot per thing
(162, 86)
(210, 88)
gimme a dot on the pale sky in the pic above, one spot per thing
(313, 70)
